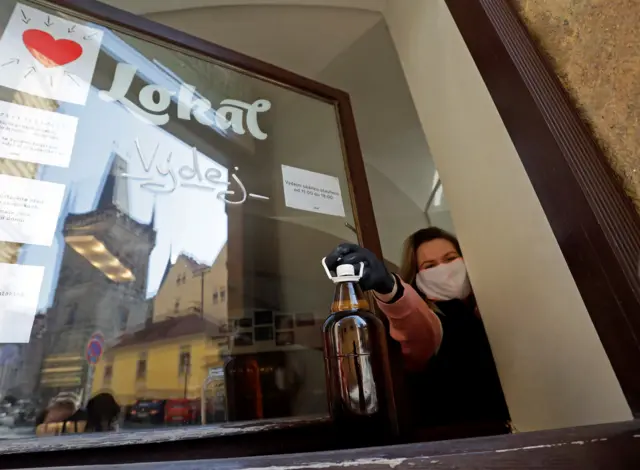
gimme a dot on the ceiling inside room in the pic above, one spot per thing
(144, 7)
(243, 25)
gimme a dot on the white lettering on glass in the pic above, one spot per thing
(155, 101)
(188, 176)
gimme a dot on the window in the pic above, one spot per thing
(284, 322)
(263, 317)
(244, 323)
(263, 333)
(123, 318)
(108, 373)
(285, 338)
(141, 368)
(71, 315)
(174, 278)
(217, 187)
(184, 360)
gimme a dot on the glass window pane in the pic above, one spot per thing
(162, 260)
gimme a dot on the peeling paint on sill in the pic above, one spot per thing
(391, 463)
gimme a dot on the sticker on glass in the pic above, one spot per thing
(29, 210)
(19, 294)
(313, 192)
(48, 56)
(35, 135)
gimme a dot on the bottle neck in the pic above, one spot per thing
(348, 296)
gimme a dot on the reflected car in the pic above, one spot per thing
(181, 411)
(148, 411)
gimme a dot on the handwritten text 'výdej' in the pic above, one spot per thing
(187, 176)
(155, 101)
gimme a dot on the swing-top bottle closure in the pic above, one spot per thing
(344, 272)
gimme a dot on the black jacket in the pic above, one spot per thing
(460, 383)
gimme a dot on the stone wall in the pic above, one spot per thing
(594, 46)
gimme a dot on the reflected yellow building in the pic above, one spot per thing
(164, 360)
(192, 288)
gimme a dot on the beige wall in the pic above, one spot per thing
(553, 368)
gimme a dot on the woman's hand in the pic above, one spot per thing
(376, 277)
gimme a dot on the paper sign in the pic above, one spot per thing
(19, 292)
(37, 136)
(48, 56)
(29, 210)
(313, 192)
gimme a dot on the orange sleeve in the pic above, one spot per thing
(415, 326)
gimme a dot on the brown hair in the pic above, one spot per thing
(409, 266)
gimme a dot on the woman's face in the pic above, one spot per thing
(435, 252)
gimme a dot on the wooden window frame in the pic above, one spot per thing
(595, 224)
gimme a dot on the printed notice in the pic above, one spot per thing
(19, 292)
(313, 192)
(29, 210)
(48, 56)
(36, 136)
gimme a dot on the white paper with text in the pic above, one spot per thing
(19, 291)
(311, 191)
(37, 136)
(29, 210)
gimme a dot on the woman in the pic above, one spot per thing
(433, 315)
(102, 413)
(62, 416)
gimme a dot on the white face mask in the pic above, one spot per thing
(445, 281)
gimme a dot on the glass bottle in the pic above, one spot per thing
(356, 357)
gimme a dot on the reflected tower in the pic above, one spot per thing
(101, 287)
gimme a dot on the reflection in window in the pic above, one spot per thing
(263, 317)
(141, 369)
(108, 374)
(305, 319)
(263, 333)
(285, 338)
(244, 323)
(71, 316)
(184, 360)
(123, 318)
(284, 322)
(166, 269)
(243, 339)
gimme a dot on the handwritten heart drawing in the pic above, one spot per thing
(48, 51)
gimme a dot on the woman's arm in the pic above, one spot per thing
(413, 324)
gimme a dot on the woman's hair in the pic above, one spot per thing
(409, 266)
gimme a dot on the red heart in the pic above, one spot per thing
(48, 51)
